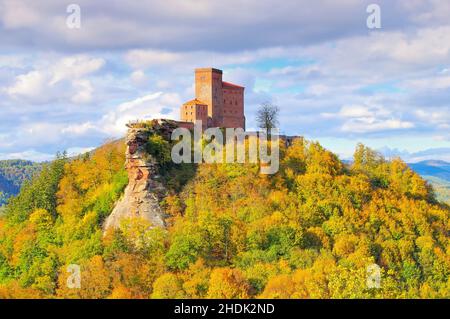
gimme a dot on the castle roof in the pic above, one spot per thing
(231, 85)
(195, 102)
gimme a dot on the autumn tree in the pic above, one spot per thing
(228, 284)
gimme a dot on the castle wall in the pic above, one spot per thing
(208, 89)
(233, 107)
(192, 112)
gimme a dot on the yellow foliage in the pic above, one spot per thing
(228, 284)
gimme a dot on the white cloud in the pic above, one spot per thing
(355, 111)
(318, 89)
(74, 67)
(31, 155)
(83, 91)
(30, 84)
(62, 80)
(147, 58)
(79, 129)
(139, 78)
(439, 118)
(427, 83)
(151, 106)
(371, 124)
(18, 14)
(366, 119)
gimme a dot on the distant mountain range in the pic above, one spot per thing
(439, 169)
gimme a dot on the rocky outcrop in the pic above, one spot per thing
(144, 191)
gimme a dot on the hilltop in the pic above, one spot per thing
(309, 231)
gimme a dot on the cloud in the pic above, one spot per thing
(31, 155)
(74, 67)
(28, 85)
(356, 111)
(147, 58)
(371, 124)
(429, 83)
(139, 78)
(365, 119)
(151, 106)
(442, 154)
(62, 80)
(331, 76)
(203, 25)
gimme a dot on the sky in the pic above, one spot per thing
(335, 80)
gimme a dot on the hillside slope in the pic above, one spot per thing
(309, 231)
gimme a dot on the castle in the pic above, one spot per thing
(216, 103)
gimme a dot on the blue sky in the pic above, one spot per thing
(335, 80)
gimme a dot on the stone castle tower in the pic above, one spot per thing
(216, 103)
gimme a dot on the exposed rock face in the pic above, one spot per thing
(144, 191)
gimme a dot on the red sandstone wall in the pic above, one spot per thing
(208, 89)
(233, 107)
(192, 112)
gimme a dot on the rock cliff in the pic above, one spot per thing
(144, 191)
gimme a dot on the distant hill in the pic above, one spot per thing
(441, 187)
(438, 169)
(12, 175)
(438, 174)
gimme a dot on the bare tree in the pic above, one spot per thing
(267, 116)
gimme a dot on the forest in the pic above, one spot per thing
(309, 231)
(13, 173)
